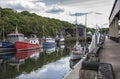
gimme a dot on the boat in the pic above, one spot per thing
(77, 52)
(6, 46)
(49, 42)
(9, 44)
(28, 44)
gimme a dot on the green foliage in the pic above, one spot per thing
(31, 23)
(104, 30)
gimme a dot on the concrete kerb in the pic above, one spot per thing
(69, 74)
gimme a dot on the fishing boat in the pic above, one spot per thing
(6, 46)
(9, 44)
(27, 44)
(49, 42)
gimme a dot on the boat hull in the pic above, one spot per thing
(49, 44)
(6, 46)
(2, 50)
(26, 46)
(76, 54)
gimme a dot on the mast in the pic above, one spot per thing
(43, 31)
(3, 33)
(16, 30)
(85, 30)
(76, 28)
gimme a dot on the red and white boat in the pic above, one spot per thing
(23, 43)
(27, 44)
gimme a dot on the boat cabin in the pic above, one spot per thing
(13, 37)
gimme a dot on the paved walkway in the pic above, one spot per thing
(111, 54)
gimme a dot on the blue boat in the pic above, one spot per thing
(6, 46)
(9, 44)
(49, 42)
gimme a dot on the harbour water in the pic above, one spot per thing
(48, 63)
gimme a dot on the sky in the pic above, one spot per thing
(97, 11)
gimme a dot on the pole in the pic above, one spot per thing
(43, 30)
(76, 28)
(3, 33)
(85, 30)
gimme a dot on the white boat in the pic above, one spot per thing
(95, 40)
(77, 52)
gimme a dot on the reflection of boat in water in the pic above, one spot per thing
(21, 56)
(50, 49)
(77, 52)
(27, 54)
(72, 63)
(7, 55)
(62, 46)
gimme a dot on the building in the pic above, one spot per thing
(73, 33)
(114, 22)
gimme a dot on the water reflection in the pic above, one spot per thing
(72, 63)
(35, 64)
(54, 70)
(49, 49)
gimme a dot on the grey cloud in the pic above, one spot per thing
(55, 10)
(51, 2)
(23, 5)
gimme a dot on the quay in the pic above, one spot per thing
(105, 63)
(109, 54)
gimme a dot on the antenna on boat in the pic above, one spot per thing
(3, 33)
(43, 31)
(16, 29)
